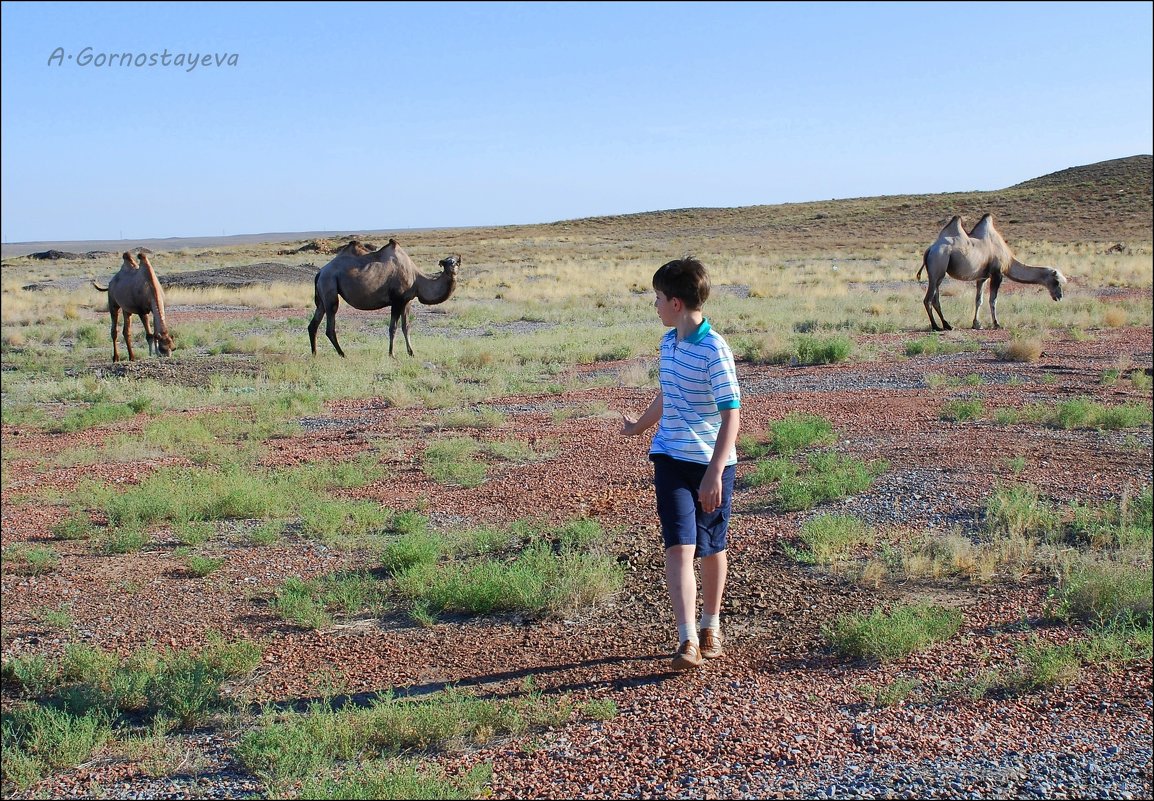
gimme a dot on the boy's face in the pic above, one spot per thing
(668, 309)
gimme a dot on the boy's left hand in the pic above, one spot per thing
(709, 494)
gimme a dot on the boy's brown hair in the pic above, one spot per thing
(684, 279)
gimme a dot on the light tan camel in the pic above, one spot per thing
(373, 279)
(981, 255)
(134, 290)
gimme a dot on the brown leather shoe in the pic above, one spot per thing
(711, 643)
(688, 656)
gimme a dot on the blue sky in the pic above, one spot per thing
(386, 116)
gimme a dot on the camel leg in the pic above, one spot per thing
(929, 310)
(978, 302)
(393, 317)
(995, 284)
(314, 325)
(149, 337)
(115, 314)
(931, 303)
(405, 328)
(128, 336)
(331, 326)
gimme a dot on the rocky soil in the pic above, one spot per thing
(778, 716)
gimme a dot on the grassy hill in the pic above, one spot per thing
(1106, 202)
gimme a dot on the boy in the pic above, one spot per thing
(697, 413)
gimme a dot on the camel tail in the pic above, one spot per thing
(919, 275)
(98, 286)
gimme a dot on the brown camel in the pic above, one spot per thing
(137, 291)
(981, 255)
(373, 279)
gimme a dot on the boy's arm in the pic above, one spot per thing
(709, 493)
(648, 418)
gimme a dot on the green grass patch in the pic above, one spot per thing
(201, 566)
(830, 477)
(1079, 413)
(830, 538)
(75, 526)
(38, 740)
(98, 414)
(886, 636)
(962, 409)
(787, 436)
(324, 741)
(455, 462)
(311, 604)
(1104, 591)
(28, 560)
(551, 571)
(815, 350)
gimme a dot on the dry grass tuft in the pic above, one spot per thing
(1021, 349)
(1115, 317)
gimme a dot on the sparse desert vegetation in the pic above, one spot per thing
(440, 576)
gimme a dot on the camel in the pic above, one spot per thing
(373, 279)
(137, 291)
(981, 255)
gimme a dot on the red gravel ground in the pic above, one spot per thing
(779, 703)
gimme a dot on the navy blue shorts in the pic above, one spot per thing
(682, 522)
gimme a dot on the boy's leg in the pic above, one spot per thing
(675, 484)
(713, 543)
(714, 570)
(682, 586)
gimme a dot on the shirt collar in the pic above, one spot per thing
(701, 333)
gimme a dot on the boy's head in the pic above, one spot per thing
(684, 279)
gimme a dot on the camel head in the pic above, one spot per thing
(1053, 282)
(164, 343)
(450, 264)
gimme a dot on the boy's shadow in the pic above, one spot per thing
(415, 691)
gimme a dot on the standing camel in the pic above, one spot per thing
(373, 279)
(981, 255)
(137, 291)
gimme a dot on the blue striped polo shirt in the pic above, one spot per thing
(698, 380)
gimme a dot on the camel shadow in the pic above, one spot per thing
(366, 699)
